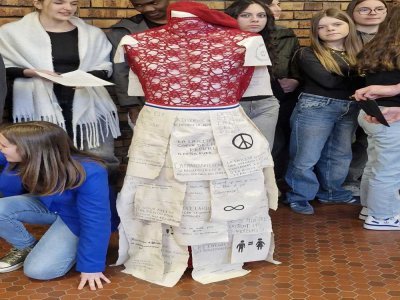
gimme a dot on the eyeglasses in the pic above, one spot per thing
(367, 10)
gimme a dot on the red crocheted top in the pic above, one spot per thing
(190, 63)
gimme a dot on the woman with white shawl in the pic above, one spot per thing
(52, 40)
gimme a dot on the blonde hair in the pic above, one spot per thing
(351, 43)
(35, 9)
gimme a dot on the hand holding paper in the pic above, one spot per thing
(75, 78)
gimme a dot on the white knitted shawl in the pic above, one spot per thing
(25, 44)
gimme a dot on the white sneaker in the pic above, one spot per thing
(364, 213)
(373, 223)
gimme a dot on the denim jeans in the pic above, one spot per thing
(320, 148)
(264, 113)
(380, 183)
(55, 253)
(360, 157)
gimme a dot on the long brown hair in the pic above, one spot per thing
(383, 52)
(238, 6)
(351, 43)
(48, 165)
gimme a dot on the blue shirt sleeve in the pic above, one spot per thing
(95, 219)
(10, 182)
(3, 160)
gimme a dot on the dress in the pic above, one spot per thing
(195, 156)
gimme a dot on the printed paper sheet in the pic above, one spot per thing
(193, 150)
(241, 146)
(237, 198)
(214, 273)
(250, 247)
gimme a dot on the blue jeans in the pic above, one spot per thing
(264, 113)
(55, 253)
(380, 183)
(320, 148)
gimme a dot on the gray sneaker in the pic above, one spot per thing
(14, 259)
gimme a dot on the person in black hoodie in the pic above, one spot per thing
(152, 14)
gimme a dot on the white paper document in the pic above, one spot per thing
(256, 52)
(252, 225)
(241, 146)
(76, 78)
(237, 198)
(193, 149)
(197, 233)
(196, 205)
(211, 254)
(150, 139)
(250, 247)
(175, 260)
(259, 83)
(214, 273)
(134, 87)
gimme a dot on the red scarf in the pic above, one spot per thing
(204, 13)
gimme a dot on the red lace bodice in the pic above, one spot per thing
(190, 63)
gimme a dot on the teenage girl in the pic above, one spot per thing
(367, 15)
(380, 183)
(324, 118)
(254, 16)
(54, 41)
(67, 189)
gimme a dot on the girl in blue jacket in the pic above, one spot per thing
(67, 189)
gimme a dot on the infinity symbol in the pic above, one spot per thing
(230, 208)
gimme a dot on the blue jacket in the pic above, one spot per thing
(85, 210)
(10, 183)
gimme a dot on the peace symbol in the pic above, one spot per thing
(243, 141)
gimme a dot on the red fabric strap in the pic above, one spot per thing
(204, 13)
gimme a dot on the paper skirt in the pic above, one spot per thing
(202, 179)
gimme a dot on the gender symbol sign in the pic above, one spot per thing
(242, 141)
(250, 247)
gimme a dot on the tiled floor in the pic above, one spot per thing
(325, 256)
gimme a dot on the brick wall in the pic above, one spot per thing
(104, 13)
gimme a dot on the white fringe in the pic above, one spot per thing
(94, 131)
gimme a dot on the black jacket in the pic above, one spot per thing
(285, 43)
(114, 34)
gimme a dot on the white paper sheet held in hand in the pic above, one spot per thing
(76, 78)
